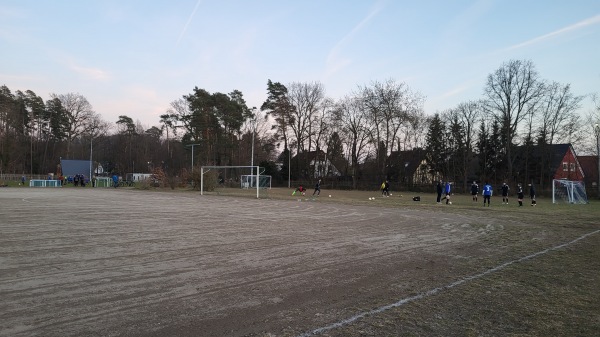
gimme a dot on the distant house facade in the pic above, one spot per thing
(410, 168)
(541, 164)
(568, 167)
(315, 164)
(589, 165)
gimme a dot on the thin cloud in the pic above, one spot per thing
(579, 25)
(93, 73)
(334, 61)
(188, 22)
(454, 91)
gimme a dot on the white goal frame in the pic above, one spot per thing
(570, 190)
(257, 175)
(246, 183)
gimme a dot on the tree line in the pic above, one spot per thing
(357, 132)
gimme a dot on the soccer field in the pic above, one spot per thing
(127, 262)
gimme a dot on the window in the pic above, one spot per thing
(565, 166)
(573, 167)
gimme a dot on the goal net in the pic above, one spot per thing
(249, 181)
(568, 191)
(227, 180)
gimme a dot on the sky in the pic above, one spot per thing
(133, 58)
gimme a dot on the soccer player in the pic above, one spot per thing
(300, 189)
(505, 193)
(487, 193)
(317, 188)
(474, 190)
(520, 194)
(447, 191)
(385, 189)
(439, 190)
(532, 195)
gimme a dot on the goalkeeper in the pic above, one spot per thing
(300, 189)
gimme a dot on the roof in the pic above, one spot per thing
(555, 152)
(589, 165)
(309, 156)
(409, 160)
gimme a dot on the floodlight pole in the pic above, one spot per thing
(192, 145)
(597, 132)
(91, 162)
(252, 153)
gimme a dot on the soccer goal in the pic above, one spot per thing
(250, 180)
(221, 177)
(568, 191)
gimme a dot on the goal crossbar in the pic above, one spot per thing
(254, 168)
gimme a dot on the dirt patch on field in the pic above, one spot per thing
(106, 262)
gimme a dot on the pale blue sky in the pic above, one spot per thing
(134, 57)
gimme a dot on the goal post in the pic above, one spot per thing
(568, 191)
(254, 170)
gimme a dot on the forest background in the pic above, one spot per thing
(478, 139)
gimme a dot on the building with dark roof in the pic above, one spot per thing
(589, 164)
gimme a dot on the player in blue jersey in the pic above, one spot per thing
(487, 193)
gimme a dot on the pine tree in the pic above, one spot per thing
(436, 150)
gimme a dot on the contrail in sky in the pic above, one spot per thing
(581, 24)
(188, 22)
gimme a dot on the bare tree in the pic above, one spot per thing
(466, 115)
(169, 120)
(306, 98)
(558, 109)
(79, 112)
(511, 93)
(356, 128)
(412, 134)
(390, 106)
(322, 124)
(593, 121)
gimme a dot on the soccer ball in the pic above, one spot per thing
(449, 202)
(391, 194)
(330, 195)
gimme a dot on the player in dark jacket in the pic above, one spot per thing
(317, 188)
(474, 190)
(505, 194)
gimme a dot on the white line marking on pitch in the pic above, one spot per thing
(439, 289)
